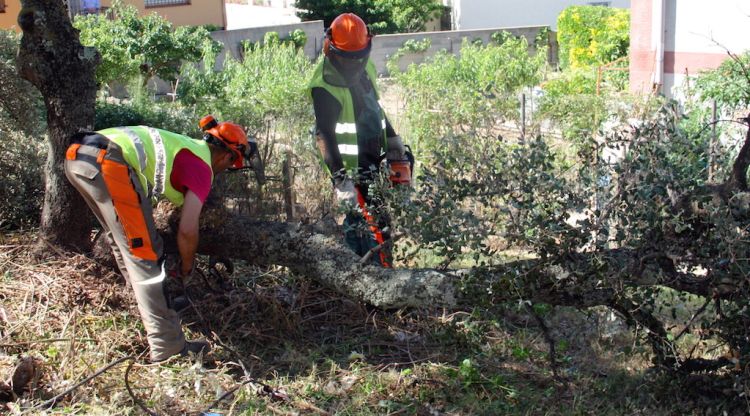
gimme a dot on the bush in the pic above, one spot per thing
(728, 85)
(167, 116)
(132, 45)
(22, 181)
(22, 126)
(570, 101)
(592, 35)
(298, 37)
(450, 96)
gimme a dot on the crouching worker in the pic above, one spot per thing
(117, 171)
(352, 132)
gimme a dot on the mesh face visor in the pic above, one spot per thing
(362, 53)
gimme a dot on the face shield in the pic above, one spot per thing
(242, 152)
(251, 154)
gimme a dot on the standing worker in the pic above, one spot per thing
(352, 130)
(117, 170)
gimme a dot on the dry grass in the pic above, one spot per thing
(283, 345)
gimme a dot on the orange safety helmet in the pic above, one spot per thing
(226, 135)
(348, 37)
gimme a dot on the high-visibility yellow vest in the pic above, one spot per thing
(151, 152)
(326, 76)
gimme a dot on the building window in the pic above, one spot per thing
(159, 3)
(2, 6)
(600, 3)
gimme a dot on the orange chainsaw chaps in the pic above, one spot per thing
(128, 208)
(374, 229)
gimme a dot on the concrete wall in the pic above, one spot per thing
(232, 39)
(480, 14)
(9, 18)
(385, 46)
(696, 35)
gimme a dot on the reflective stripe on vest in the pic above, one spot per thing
(348, 149)
(139, 148)
(160, 165)
(346, 128)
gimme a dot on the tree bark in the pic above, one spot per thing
(52, 58)
(309, 253)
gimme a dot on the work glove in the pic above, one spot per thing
(346, 193)
(179, 274)
(396, 149)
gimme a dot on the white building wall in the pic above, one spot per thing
(696, 36)
(484, 14)
(697, 28)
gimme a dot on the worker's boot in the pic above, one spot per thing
(195, 347)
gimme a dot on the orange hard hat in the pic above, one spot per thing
(348, 36)
(227, 135)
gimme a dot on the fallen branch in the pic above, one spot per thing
(51, 402)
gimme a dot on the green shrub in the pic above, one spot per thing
(476, 91)
(266, 93)
(416, 46)
(268, 85)
(22, 126)
(592, 35)
(22, 181)
(147, 45)
(571, 102)
(298, 37)
(728, 85)
(271, 38)
(167, 116)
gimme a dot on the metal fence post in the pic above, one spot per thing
(288, 185)
(523, 117)
(712, 144)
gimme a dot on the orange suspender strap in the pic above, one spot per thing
(72, 151)
(373, 227)
(128, 208)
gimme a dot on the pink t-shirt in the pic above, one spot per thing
(190, 172)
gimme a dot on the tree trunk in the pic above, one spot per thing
(309, 253)
(53, 60)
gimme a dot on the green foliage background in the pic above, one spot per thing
(383, 16)
(22, 127)
(476, 90)
(585, 94)
(131, 45)
(592, 35)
